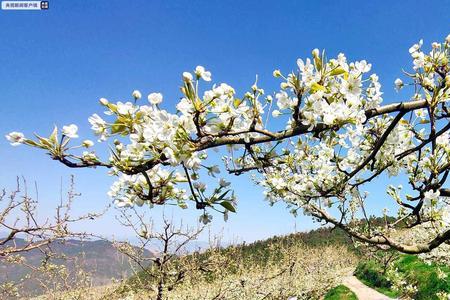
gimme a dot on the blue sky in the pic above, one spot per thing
(56, 64)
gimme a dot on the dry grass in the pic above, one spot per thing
(295, 270)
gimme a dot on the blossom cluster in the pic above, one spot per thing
(329, 168)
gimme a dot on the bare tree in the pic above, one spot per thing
(165, 269)
(18, 217)
(26, 232)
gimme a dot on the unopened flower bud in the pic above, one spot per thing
(104, 101)
(87, 143)
(136, 95)
(187, 77)
(398, 84)
(284, 85)
(276, 73)
(276, 113)
(249, 95)
(315, 52)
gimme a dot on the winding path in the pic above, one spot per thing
(362, 291)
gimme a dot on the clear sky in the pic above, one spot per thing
(56, 64)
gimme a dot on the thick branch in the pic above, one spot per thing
(209, 142)
(380, 239)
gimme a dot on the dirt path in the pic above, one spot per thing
(362, 291)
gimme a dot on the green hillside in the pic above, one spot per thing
(408, 276)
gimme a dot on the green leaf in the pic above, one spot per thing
(189, 91)
(337, 71)
(227, 205)
(54, 136)
(45, 142)
(112, 107)
(33, 143)
(139, 115)
(65, 142)
(113, 152)
(318, 63)
(169, 178)
(118, 127)
(237, 102)
(403, 122)
(316, 87)
(223, 195)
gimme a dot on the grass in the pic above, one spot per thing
(424, 276)
(341, 292)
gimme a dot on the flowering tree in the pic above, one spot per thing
(332, 138)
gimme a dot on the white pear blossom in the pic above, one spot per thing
(416, 47)
(223, 182)
(15, 138)
(443, 140)
(432, 195)
(200, 186)
(276, 113)
(70, 131)
(278, 183)
(89, 156)
(98, 124)
(155, 98)
(193, 162)
(185, 107)
(125, 108)
(363, 66)
(419, 60)
(201, 73)
(284, 101)
(214, 170)
(170, 156)
(351, 87)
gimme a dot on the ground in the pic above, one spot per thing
(362, 291)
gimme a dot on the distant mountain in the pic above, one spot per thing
(104, 262)
(99, 258)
